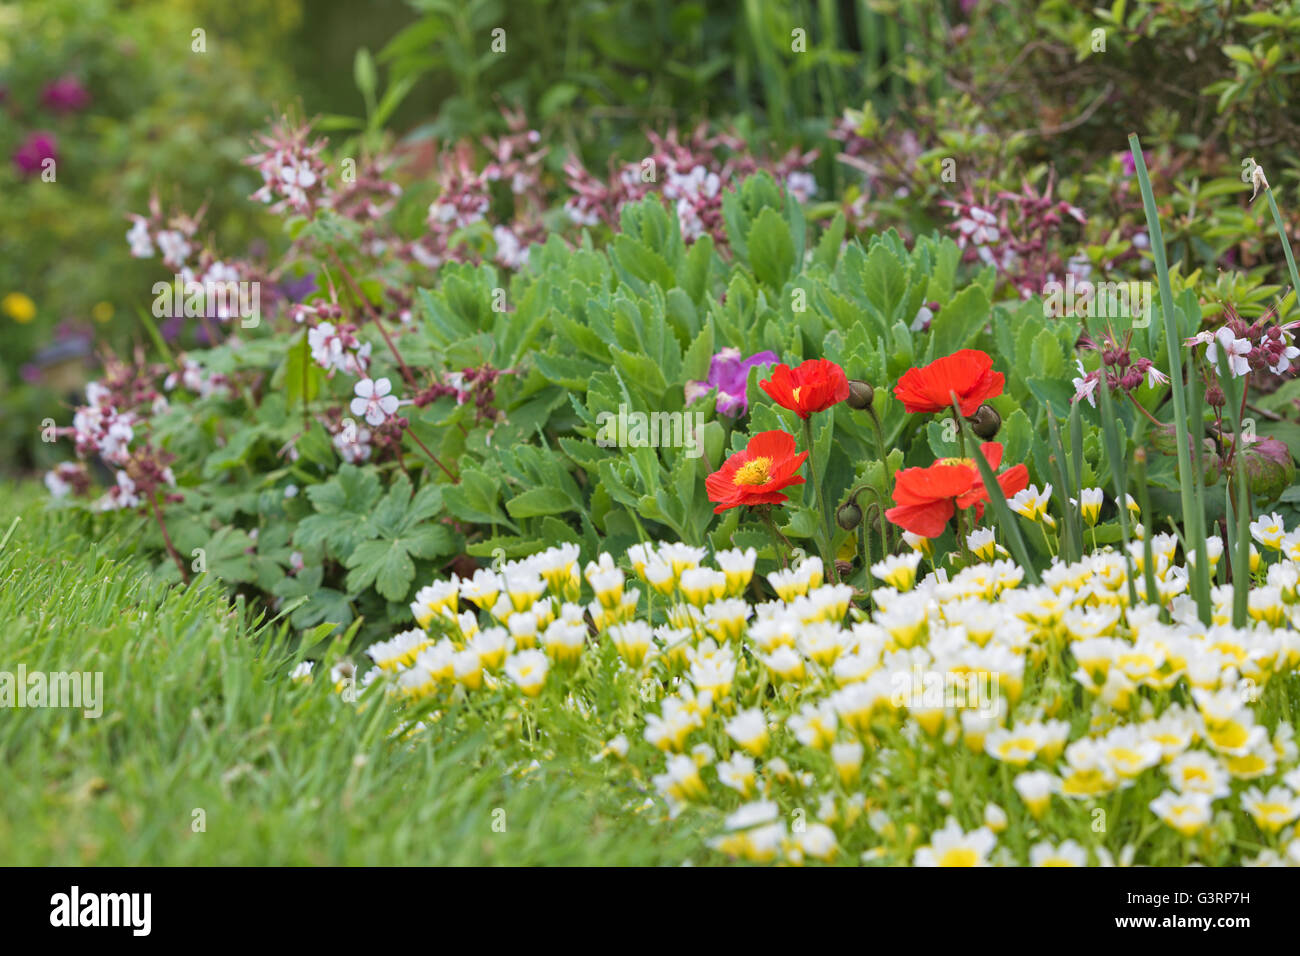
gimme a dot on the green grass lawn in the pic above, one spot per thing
(198, 714)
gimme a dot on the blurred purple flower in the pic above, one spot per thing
(36, 148)
(728, 373)
(30, 372)
(65, 95)
(1129, 163)
(295, 290)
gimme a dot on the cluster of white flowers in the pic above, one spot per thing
(807, 700)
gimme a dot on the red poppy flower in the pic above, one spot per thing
(756, 475)
(814, 386)
(928, 497)
(969, 373)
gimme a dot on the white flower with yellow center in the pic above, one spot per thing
(1291, 544)
(906, 620)
(491, 646)
(983, 545)
(756, 834)
(468, 669)
(527, 669)
(682, 781)
(668, 729)
(1269, 530)
(898, 571)
(920, 545)
(816, 840)
(524, 629)
(847, 757)
(1229, 723)
(995, 818)
(980, 620)
(1088, 772)
(523, 587)
(953, 846)
(1031, 503)
(1091, 501)
(785, 663)
(1036, 789)
(738, 566)
(1266, 604)
(1286, 578)
(607, 584)
(674, 644)
(564, 642)
(814, 725)
(1258, 760)
(438, 599)
(681, 557)
(639, 556)
(632, 641)
(482, 588)
(700, 586)
(1188, 813)
(1068, 853)
(1173, 732)
(302, 673)
(400, 650)
(737, 773)
(1129, 753)
(713, 669)
(789, 584)
(749, 729)
(822, 642)
(659, 575)
(725, 619)
(415, 683)
(1198, 772)
(558, 567)
(855, 703)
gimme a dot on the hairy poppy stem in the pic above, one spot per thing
(766, 518)
(828, 559)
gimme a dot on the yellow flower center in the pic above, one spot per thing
(968, 462)
(756, 472)
(959, 856)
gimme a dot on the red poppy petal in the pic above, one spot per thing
(926, 520)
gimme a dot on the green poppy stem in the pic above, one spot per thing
(825, 535)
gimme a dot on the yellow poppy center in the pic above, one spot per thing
(968, 462)
(756, 472)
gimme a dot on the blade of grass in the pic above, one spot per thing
(1006, 520)
(1116, 452)
(1186, 484)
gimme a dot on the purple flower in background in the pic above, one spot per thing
(36, 148)
(296, 290)
(728, 373)
(65, 95)
(1129, 163)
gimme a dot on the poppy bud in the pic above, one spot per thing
(985, 422)
(849, 516)
(861, 395)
